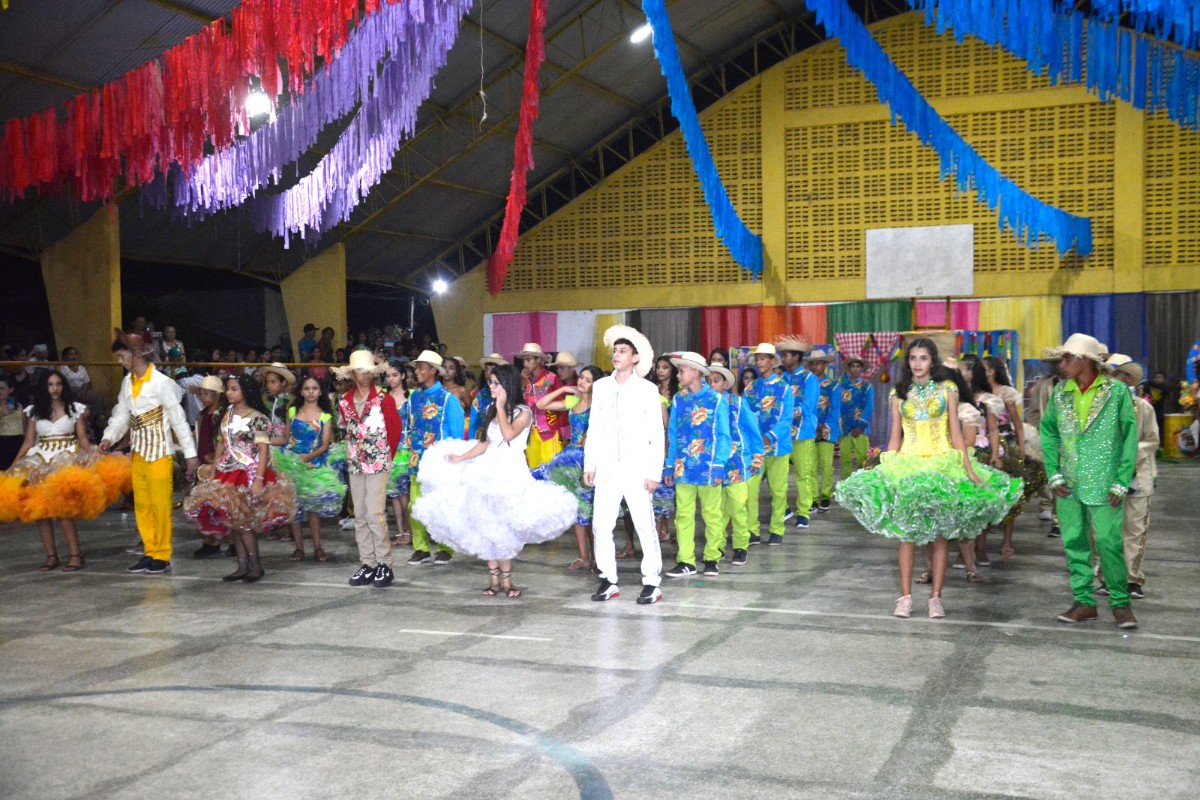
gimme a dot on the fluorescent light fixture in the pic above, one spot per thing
(641, 33)
(258, 104)
(440, 286)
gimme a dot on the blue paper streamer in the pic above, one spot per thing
(1177, 20)
(1055, 40)
(745, 247)
(1019, 212)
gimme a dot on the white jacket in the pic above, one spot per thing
(153, 441)
(625, 432)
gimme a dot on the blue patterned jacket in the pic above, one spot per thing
(771, 399)
(829, 408)
(746, 458)
(856, 405)
(433, 414)
(698, 440)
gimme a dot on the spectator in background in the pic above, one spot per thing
(340, 356)
(326, 341)
(307, 343)
(170, 348)
(317, 356)
(40, 352)
(12, 423)
(277, 353)
(77, 376)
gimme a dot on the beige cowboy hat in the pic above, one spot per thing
(825, 354)
(641, 346)
(533, 349)
(565, 358)
(689, 359)
(1119, 362)
(792, 344)
(717, 369)
(1080, 345)
(495, 359)
(288, 376)
(854, 360)
(432, 359)
(135, 342)
(766, 349)
(363, 361)
(210, 383)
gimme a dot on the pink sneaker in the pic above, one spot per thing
(904, 607)
(935, 608)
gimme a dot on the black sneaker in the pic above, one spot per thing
(383, 576)
(442, 559)
(755, 539)
(1136, 591)
(420, 557)
(681, 570)
(1102, 590)
(1055, 532)
(775, 540)
(711, 568)
(788, 515)
(158, 567)
(207, 551)
(142, 565)
(814, 508)
(606, 591)
(364, 576)
(801, 522)
(739, 558)
(824, 505)
(650, 594)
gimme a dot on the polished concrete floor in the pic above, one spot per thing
(787, 678)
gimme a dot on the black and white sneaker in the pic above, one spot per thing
(788, 514)
(1136, 591)
(801, 522)
(383, 576)
(1102, 590)
(158, 567)
(681, 570)
(650, 594)
(420, 557)
(442, 559)
(142, 565)
(755, 539)
(711, 569)
(739, 558)
(606, 591)
(364, 576)
(824, 505)
(1055, 532)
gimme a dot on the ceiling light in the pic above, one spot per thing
(258, 104)
(440, 286)
(641, 34)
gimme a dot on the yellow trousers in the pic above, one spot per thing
(540, 451)
(153, 486)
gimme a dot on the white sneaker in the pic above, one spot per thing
(347, 524)
(1046, 515)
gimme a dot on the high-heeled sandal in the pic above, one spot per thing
(253, 575)
(493, 588)
(974, 577)
(72, 566)
(297, 554)
(52, 562)
(319, 555)
(506, 583)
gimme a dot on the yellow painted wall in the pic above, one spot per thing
(458, 314)
(82, 272)
(316, 293)
(811, 160)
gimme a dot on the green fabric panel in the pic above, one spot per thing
(869, 317)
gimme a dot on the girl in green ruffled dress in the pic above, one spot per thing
(926, 488)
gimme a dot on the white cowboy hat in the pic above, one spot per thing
(825, 354)
(766, 349)
(432, 359)
(792, 344)
(640, 344)
(533, 349)
(565, 358)
(362, 361)
(288, 376)
(689, 359)
(210, 383)
(1119, 362)
(717, 369)
(495, 359)
(1080, 345)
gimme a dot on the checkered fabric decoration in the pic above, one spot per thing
(875, 349)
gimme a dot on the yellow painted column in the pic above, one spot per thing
(774, 187)
(458, 313)
(83, 286)
(1129, 176)
(316, 293)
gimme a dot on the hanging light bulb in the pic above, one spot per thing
(641, 33)
(258, 104)
(440, 286)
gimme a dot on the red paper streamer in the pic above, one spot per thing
(535, 53)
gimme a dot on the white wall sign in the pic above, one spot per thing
(929, 261)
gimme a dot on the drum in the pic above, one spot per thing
(1172, 425)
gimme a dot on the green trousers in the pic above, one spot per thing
(421, 540)
(738, 515)
(823, 476)
(1105, 522)
(775, 470)
(804, 462)
(853, 447)
(712, 509)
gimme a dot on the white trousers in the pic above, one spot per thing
(611, 487)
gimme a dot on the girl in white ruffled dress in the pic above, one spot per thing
(461, 479)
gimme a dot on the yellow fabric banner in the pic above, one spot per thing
(316, 293)
(601, 356)
(1037, 321)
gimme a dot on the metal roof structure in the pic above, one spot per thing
(603, 101)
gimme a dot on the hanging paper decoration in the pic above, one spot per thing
(1023, 215)
(875, 349)
(1058, 42)
(1177, 20)
(745, 247)
(535, 53)
(170, 109)
(364, 152)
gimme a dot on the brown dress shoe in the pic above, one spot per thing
(1125, 618)
(1079, 613)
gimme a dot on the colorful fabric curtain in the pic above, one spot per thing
(668, 329)
(1117, 320)
(1174, 320)
(875, 349)
(510, 332)
(964, 314)
(866, 317)
(809, 320)
(729, 326)
(601, 356)
(1037, 321)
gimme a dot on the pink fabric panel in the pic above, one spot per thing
(964, 314)
(510, 332)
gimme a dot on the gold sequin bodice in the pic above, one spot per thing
(923, 416)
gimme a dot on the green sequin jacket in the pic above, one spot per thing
(1093, 457)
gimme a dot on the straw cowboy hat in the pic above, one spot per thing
(565, 358)
(766, 349)
(825, 354)
(288, 376)
(364, 361)
(689, 359)
(1080, 345)
(134, 342)
(533, 349)
(210, 383)
(432, 359)
(640, 344)
(792, 344)
(854, 360)
(495, 359)
(1119, 362)
(717, 369)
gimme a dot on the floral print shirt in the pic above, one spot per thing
(746, 450)
(242, 436)
(433, 414)
(806, 394)
(771, 398)
(698, 439)
(546, 423)
(367, 448)
(856, 405)
(828, 411)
